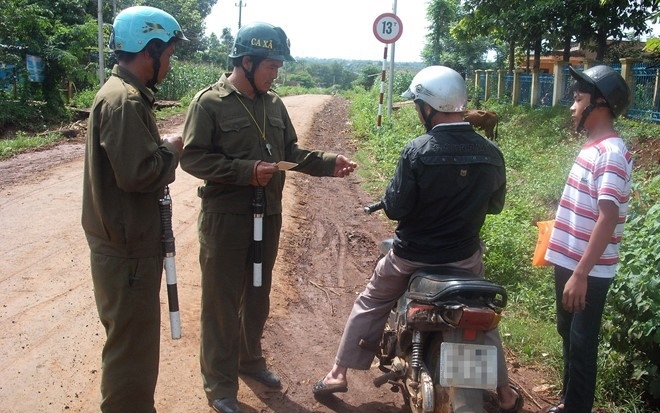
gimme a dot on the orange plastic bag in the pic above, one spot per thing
(545, 229)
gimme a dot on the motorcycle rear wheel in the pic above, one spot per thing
(430, 398)
(471, 400)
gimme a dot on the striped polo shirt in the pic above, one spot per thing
(602, 170)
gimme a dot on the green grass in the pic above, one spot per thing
(23, 142)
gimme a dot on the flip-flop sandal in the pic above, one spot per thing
(520, 400)
(322, 389)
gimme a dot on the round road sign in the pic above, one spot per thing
(388, 28)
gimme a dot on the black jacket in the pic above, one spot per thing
(444, 185)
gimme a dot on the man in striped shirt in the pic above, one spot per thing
(584, 245)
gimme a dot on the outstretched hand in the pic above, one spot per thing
(343, 166)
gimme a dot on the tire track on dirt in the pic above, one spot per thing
(322, 264)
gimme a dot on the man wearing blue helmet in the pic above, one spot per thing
(127, 166)
(235, 133)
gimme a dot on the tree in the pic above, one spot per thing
(216, 51)
(447, 44)
(541, 25)
(64, 34)
(367, 76)
(611, 18)
(35, 28)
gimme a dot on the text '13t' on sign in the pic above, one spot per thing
(388, 28)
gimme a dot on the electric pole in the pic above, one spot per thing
(100, 40)
(240, 6)
(390, 85)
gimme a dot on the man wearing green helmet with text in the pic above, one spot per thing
(235, 133)
(127, 166)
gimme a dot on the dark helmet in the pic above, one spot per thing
(609, 84)
(262, 40)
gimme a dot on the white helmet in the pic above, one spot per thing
(440, 87)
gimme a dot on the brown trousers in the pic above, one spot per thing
(127, 293)
(234, 312)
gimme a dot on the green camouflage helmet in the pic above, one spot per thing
(263, 40)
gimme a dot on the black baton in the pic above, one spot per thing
(258, 209)
(169, 252)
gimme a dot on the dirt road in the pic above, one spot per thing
(50, 336)
(51, 339)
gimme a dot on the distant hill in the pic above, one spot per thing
(356, 65)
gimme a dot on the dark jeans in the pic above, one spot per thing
(579, 332)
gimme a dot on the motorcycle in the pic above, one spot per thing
(432, 347)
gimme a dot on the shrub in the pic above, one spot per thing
(634, 328)
(186, 79)
(84, 98)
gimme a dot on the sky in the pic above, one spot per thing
(336, 29)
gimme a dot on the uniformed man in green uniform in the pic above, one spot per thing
(235, 133)
(127, 166)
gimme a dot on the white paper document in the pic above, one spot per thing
(284, 165)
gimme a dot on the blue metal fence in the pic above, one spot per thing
(546, 83)
(643, 85)
(645, 101)
(525, 88)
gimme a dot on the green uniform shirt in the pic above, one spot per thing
(223, 139)
(126, 169)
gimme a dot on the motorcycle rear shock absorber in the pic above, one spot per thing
(416, 358)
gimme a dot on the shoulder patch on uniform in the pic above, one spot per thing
(201, 93)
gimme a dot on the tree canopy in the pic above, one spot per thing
(461, 32)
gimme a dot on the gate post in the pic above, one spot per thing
(558, 88)
(535, 89)
(515, 93)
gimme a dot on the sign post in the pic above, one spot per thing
(387, 28)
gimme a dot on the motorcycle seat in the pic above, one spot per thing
(436, 284)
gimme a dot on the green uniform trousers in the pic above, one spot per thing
(234, 312)
(127, 298)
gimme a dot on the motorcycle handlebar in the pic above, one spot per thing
(370, 209)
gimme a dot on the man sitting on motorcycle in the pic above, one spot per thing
(445, 183)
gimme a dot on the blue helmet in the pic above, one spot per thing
(135, 26)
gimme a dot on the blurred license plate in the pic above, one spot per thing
(471, 366)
